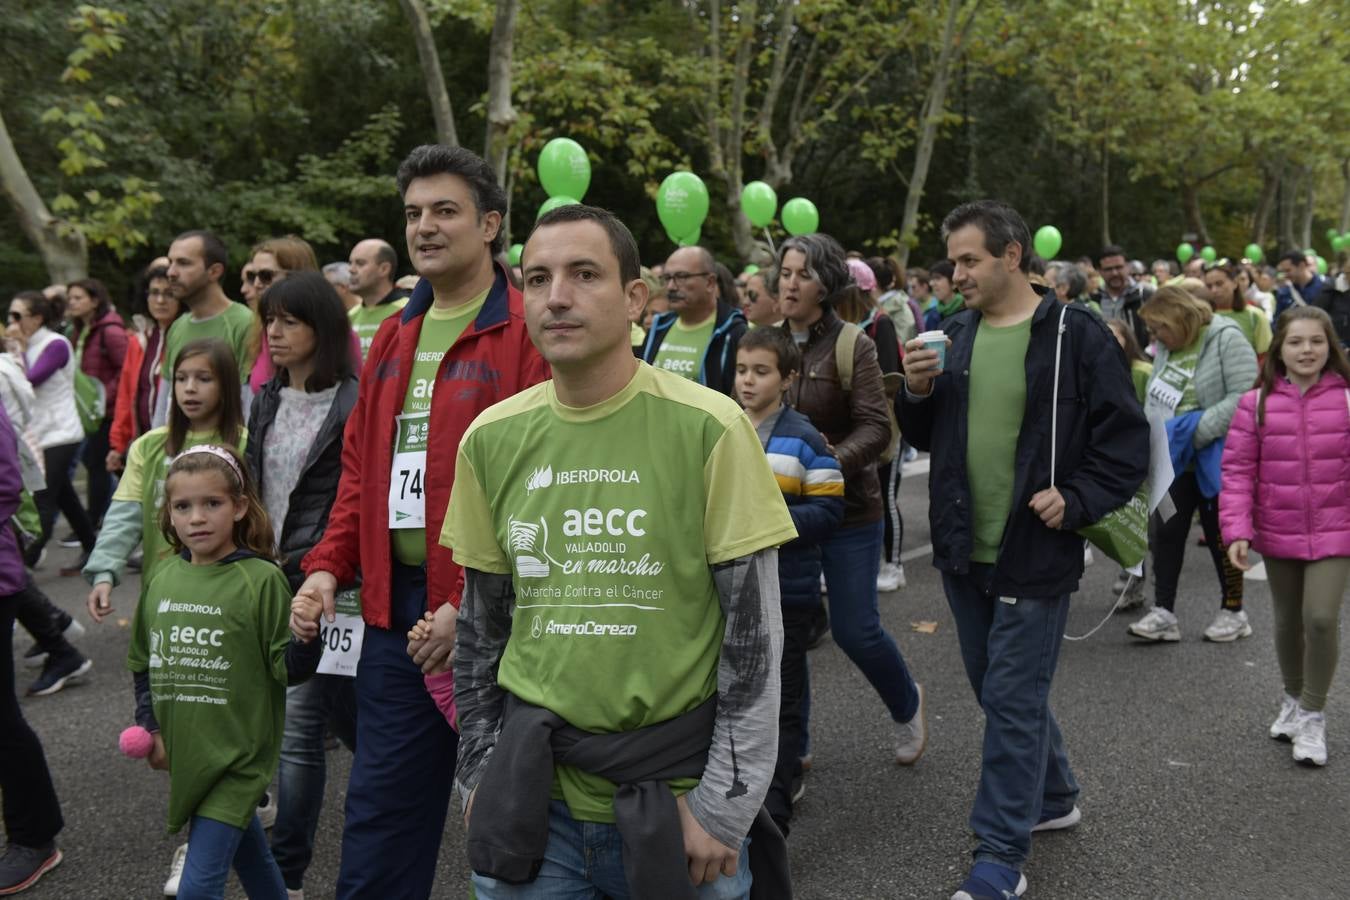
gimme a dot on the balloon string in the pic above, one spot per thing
(769, 237)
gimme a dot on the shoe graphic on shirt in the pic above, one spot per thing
(527, 543)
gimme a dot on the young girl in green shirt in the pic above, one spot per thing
(211, 655)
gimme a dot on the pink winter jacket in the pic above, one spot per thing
(1286, 483)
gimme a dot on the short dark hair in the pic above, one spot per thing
(48, 309)
(1001, 224)
(942, 269)
(620, 238)
(1113, 250)
(97, 292)
(213, 248)
(1296, 257)
(438, 159)
(726, 284)
(883, 270)
(777, 340)
(384, 253)
(310, 298)
(825, 260)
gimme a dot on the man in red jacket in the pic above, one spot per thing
(459, 346)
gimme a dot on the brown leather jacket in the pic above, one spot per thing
(855, 424)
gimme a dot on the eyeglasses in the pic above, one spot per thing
(163, 295)
(679, 277)
(263, 277)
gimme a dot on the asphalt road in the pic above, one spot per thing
(1184, 796)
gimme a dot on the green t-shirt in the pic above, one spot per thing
(1173, 386)
(213, 639)
(609, 519)
(143, 482)
(998, 402)
(440, 329)
(1255, 327)
(236, 326)
(366, 320)
(1141, 372)
(682, 348)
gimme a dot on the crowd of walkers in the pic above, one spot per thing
(558, 536)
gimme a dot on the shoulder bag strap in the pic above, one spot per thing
(1054, 403)
(844, 345)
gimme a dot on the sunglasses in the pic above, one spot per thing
(263, 277)
(16, 316)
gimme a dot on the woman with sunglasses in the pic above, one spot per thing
(100, 341)
(270, 262)
(49, 361)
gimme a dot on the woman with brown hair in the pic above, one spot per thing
(270, 262)
(1203, 367)
(1225, 297)
(100, 341)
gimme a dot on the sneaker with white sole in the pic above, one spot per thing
(1228, 626)
(1157, 625)
(984, 883)
(1133, 596)
(58, 672)
(1285, 726)
(267, 811)
(35, 657)
(1310, 743)
(176, 871)
(1059, 823)
(888, 578)
(912, 737)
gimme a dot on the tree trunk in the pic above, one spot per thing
(1307, 224)
(1270, 186)
(929, 115)
(431, 72)
(1195, 218)
(1288, 196)
(1106, 195)
(1345, 196)
(60, 243)
(501, 115)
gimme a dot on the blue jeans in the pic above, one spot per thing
(584, 861)
(303, 770)
(399, 792)
(214, 846)
(1010, 651)
(851, 558)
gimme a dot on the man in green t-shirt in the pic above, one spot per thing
(697, 338)
(617, 527)
(374, 265)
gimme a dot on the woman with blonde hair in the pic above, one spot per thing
(1203, 367)
(270, 261)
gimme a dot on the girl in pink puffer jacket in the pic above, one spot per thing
(1286, 493)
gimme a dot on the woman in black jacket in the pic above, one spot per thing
(295, 428)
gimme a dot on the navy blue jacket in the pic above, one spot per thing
(1103, 449)
(718, 369)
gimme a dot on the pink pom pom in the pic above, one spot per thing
(136, 742)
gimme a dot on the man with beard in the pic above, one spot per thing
(1121, 296)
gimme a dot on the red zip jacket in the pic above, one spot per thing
(491, 361)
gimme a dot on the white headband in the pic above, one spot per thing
(218, 452)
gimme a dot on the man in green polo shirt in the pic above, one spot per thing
(697, 338)
(373, 265)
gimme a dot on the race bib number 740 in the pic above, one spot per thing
(407, 476)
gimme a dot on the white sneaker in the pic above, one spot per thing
(1228, 626)
(295, 895)
(176, 871)
(888, 578)
(1087, 554)
(1068, 820)
(1285, 725)
(912, 737)
(1310, 743)
(267, 811)
(1157, 625)
(1017, 891)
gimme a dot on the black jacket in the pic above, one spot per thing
(1103, 449)
(718, 370)
(1135, 296)
(315, 492)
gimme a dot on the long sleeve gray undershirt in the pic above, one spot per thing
(745, 738)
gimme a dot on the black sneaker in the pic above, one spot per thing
(21, 867)
(58, 672)
(35, 657)
(70, 541)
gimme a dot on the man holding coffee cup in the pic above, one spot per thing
(979, 397)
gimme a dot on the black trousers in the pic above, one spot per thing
(59, 497)
(796, 636)
(31, 811)
(1169, 540)
(889, 476)
(95, 455)
(42, 618)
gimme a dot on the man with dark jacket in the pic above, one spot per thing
(1003, 533)
(1120, 295)
(697, 338)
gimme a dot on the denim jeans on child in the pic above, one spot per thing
(584, 861)
(1010, 647)
(216, 847)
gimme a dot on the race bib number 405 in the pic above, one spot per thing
(407, 477)
(342, 637)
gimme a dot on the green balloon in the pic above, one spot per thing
(564, 169)
(1184, 253)
(1321, 266)
(682, 204)
(1254, 253)
(1340, 242)
(1209, 254)
(759, 202)
(750, 269)
(553, 203)
(513, 255)
(800, 216)
(1310, 252)
(692, 239)
(1047, 242)
(1331, 234)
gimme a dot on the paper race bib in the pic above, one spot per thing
(1166, 390)
(342, 637)
(407, 476)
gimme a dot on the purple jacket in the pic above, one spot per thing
(13, 576)
(1286, 483)
(104, 352)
